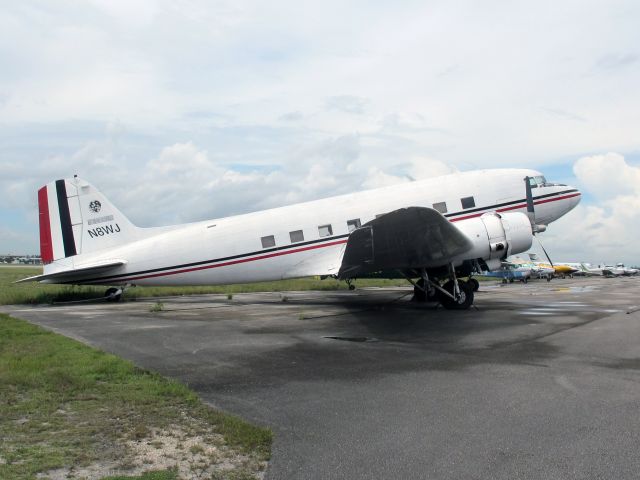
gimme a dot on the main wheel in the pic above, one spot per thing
(112, 294)
(419, 295)
(463, 302)
(475, 284)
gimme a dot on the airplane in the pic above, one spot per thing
(618, 270)
(431, 231)
(538, 269)
(585, 269)
(551, 269)
(509, 272)
(627, 271)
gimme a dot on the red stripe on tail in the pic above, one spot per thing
(46, 245)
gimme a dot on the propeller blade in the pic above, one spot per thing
(545, 252)
(531, 211)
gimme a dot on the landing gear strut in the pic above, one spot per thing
(462, 301)
(453, 295)
(423, 289)
(456, 295)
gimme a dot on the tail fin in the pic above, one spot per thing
(76, 218)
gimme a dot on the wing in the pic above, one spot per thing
(407, 238)
(82, 271)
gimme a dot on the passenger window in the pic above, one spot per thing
(296, 236)
(468, 202)
(440, 207)
(268, 241)
(353, 224)
(325, 230)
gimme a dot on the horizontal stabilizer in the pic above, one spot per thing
(82, 271)
(407, 238)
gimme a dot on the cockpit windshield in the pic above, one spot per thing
(538, 181)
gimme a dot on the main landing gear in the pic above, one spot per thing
(454, 294)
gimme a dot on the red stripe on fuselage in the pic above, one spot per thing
(241, 260)
(516, 207)
(304, 249)
(46, 245)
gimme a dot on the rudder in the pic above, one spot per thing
(75, 218)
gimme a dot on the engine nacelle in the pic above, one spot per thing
(519, 232)
(496, 236)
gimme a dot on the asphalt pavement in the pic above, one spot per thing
(538, 381)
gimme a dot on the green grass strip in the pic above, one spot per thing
(63, 403)
(35, 293)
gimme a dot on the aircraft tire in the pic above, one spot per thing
(419, 295)
(475, 284)
(112, 295)
(463, 303)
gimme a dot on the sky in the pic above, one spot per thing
(185, 110)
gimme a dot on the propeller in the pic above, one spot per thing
(531, 209)
(545, 252)
(531, 213)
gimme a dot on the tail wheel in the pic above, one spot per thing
(475, 284)
(463, 302)
(113, 294)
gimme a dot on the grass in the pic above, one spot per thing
(157, 307)
(65, 404)
(35, 293)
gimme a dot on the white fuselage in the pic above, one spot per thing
(260, 246)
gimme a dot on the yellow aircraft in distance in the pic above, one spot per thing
(560, 270)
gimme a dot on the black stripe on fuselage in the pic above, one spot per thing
(124, 276)
(222, 259)
(506, 204)
(65, 219)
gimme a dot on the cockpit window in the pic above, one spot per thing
(539, 181)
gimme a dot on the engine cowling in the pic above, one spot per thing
(517, 228)
(495, 236)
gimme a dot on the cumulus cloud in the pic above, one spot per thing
(607, 229)
(293, 102)
(347, 103)
(607, 175)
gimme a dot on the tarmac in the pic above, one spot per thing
(538, 381)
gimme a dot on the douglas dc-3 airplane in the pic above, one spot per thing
(432, 231)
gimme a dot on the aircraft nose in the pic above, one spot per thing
(573, 198)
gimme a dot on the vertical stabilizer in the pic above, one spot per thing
(76, 218)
